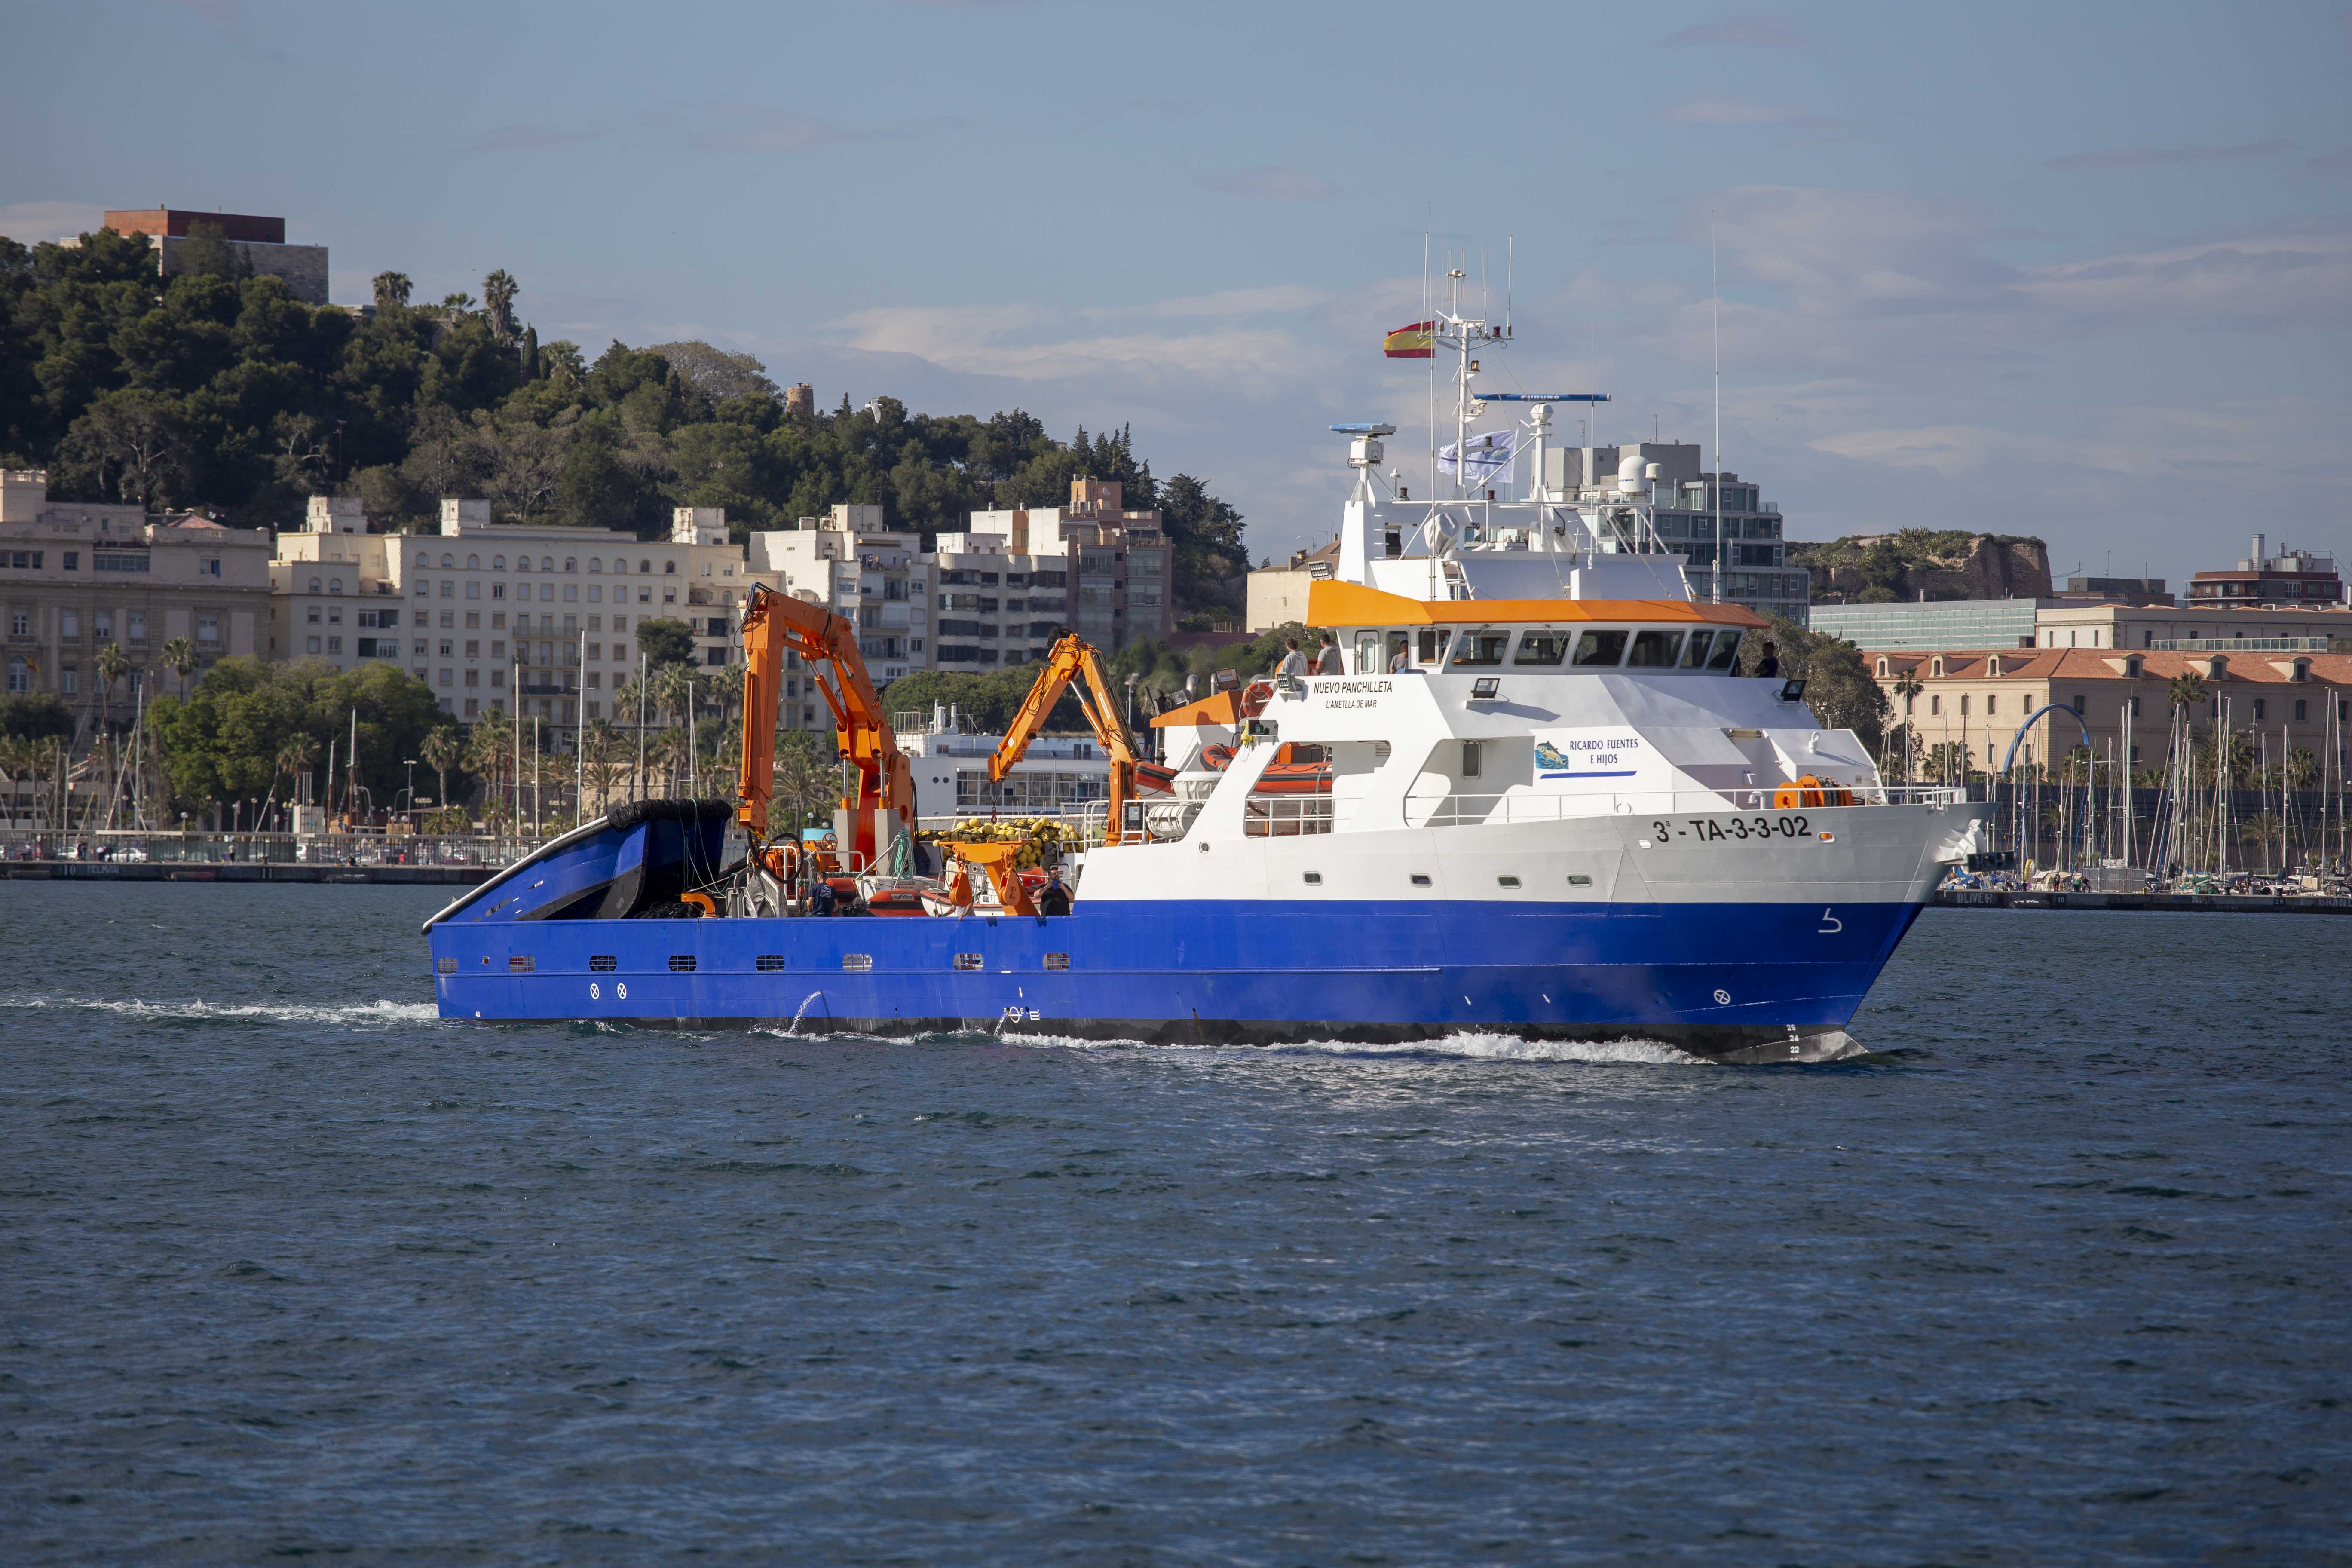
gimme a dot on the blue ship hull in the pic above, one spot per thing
(1745, 981)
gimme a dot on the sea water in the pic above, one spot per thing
(2060, 1273)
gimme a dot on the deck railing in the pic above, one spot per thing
(1485, 810)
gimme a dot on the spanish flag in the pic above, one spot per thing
(1409, 342)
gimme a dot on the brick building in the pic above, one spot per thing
(260, 241)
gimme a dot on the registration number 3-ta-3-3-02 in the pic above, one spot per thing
(1713, 830)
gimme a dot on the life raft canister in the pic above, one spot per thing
(1810, 790)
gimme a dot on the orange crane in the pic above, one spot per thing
(1073, 657)
(883, 801)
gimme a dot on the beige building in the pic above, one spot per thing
(1978, 698)
(464, 610)
(1115, 570)
(1277, 594)
(848, 561)
(75, 577)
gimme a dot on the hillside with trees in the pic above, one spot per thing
(218, 391)
(1924, 563)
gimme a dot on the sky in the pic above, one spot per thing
(2082, 271)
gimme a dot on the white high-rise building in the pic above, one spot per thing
(502, 617)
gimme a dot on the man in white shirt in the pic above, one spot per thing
(1294, 663)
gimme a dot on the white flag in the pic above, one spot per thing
(1492, 461)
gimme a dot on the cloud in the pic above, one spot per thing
(521, 138)
(2160, 157)
(223, 13)
(2287, 282)
(724, 127)
(1768, 31)
(743, 127)
(30, 223)
(1271, 183)
(1729, 111)
(1033, 344)
(2337, 162)
(1231, 302)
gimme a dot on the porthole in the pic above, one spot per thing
(858, 962)
(602, 962)
(682, 962)
(1421, 879)
(1314, 879)
(1506, 881)
(769, 962)
(1578, 880)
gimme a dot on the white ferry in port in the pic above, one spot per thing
(1536, 799)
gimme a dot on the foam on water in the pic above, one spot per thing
(358, 1015)
(1467, 1044)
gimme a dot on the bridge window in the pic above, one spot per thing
(1543, 647)
(1599, 649)
(1656, 650)
(1725, 656)
(1480, 648)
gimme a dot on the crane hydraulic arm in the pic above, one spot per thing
(882, 799)
(1073, 657)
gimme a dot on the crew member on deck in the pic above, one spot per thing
(1053, 899)
(1768, 667)
(1327, 661)
(1294, 663)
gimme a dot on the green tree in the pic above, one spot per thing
(391, 290)
(1840, 689)
(34, 716)
(664, 641)
(222, 741)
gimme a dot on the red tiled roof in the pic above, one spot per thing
(2092, 664)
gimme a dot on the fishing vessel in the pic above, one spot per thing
(1527, 790)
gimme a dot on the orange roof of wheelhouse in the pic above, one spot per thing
(1334, 603)
(1217, 708)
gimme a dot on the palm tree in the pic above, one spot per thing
(440, 752)
(601, 748)
(674, 687)
(499, 291)
(1906, 686)
(180, 659)
(19, 759)
(489, 754)
(113, 664)
(296, 755)
(2186, 690)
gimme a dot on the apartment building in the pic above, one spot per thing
(2288, 579)
(1115, 571)
(75, 577)
(849, 562)
(502, 617)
